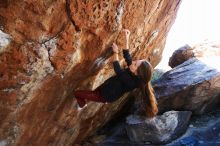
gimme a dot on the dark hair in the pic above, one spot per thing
(149, 102)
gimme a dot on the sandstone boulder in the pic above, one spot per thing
(52, 48)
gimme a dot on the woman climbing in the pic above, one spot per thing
(137, 75)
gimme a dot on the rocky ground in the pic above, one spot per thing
(202, 130)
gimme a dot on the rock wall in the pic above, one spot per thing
(54, 47)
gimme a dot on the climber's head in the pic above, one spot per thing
(144, 71)
(142, 68)
(134, 66)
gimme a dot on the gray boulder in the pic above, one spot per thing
(159, 130)
(193, 86)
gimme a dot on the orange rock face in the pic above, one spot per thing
(54, 47)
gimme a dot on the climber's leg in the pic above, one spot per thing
(81, 95)
(81, 102)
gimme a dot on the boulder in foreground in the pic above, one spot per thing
(159, 130)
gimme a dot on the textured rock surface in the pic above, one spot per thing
(204, 50)
(194, 85)
(203, 131)
(180, 55)
(159, 130)
(53, 48)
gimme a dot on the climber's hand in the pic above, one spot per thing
(115, 48)
(127, 33)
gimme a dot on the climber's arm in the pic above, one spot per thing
(116, 65)
(126, 53)
(127, 57)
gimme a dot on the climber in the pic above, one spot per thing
(136, 75)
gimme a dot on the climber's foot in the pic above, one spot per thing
(80, 108)
(81, 102)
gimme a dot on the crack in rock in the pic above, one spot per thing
(68, 12)
(44, 39)
(153, 35)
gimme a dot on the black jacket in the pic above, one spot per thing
(124, 81)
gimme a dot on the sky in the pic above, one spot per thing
(196, 21)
